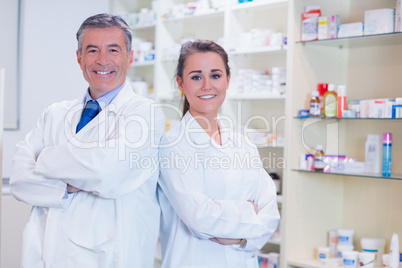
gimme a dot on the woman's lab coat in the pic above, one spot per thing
(114, 221)
(204, 192)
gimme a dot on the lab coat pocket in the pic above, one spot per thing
(88, 256)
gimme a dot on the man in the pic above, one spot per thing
(91, 206)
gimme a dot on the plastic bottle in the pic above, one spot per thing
(315, 105)
(373, 155)
(322, 89)
(330, 101)
(319, 155)
(341, 100)
(386, 154)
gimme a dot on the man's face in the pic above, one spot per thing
(104, 60)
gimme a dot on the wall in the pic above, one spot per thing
(49, 73)
(49, 70)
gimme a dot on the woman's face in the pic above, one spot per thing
(204, 83)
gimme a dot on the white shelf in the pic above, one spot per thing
(363, 175)
(203, 15)
(260, 50)
(143, 63)
(274, 242)
(255, 97)
(279, 199)
(307, 263)
(144, 27)
(259, 4)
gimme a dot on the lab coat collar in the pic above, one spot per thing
(125, 94)
(198, 135)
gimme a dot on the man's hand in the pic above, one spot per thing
(72, 189)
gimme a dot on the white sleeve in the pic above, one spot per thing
(117, 167)
(25, 183)
(204, 216)
(268, 213)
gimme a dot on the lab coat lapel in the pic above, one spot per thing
(112, 109)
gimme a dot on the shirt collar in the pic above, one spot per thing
(106, 99)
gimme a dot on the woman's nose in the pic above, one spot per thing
(207, 84)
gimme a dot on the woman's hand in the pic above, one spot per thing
(255, 206)
(227, 241)
(72, 189)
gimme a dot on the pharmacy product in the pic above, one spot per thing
(373, 155)
(324, 253)
(385, 260)
(341, 100)
(375, 246)
(330, 102)
(366, 259)
(323, 28)
(334, 22)
(315, 105)
(350, 29)
(386, 154)
(394, 252)
(349, 259)
(345, 236)
(397, 108)
(342, 248)
(333, 242)
(310, 23)
(319, 155)
(379, 21)
(273, 260)
(322, 88)
(398, 15)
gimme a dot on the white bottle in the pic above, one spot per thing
(372, 160)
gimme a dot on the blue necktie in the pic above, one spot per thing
(91, 110)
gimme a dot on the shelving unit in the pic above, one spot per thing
(316, 202)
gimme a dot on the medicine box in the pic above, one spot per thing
(323, 28)
(378, 21)
(334, 22)
(310, 25)
(350, 29)
(398, 19)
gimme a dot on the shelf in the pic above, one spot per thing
(274, 242)
(255, 97)
(143, 27)
(259, 4)
(279, 199)
(358, 41)
(144, 63)
(345, 118)
(260, 50)
(307, 263)
(392, 177)
(205, 14)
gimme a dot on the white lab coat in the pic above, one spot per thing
(204, 192)
(114, 221)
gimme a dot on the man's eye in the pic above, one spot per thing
(92, 51)
(114, 50)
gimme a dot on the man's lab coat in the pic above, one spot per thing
(114, 221)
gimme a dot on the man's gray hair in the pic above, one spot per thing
(105, 21)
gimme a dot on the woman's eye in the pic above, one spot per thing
(216, 76)
(196, 77)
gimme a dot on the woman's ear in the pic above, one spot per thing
(229, 76)
(179, 83)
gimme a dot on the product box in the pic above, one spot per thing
(310, 24)
(323, 28)
(351, 29)
(334, 22)
(379, 21)
(398, 14)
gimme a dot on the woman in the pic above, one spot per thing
(218, 206)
